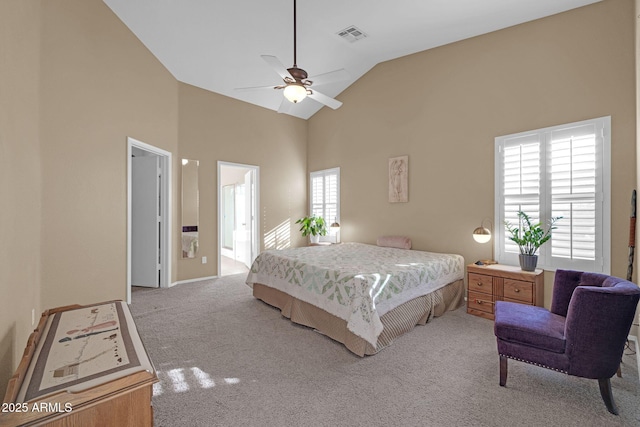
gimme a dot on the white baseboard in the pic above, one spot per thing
(199, 279)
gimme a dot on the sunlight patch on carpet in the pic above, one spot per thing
(181, 380)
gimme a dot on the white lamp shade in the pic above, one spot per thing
(295, 93)
(335, 230)
(481, 235)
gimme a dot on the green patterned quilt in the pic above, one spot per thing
(356, 282)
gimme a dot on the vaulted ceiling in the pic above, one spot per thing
(216, 45)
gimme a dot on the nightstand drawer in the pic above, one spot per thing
(518, 290)
(480, 283)
(480, 301)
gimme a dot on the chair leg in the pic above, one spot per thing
(503, 370)
(607, 395)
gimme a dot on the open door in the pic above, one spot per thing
(145, 218)
(160, 193)
(240, 230)
(243, 243)
(247, 242)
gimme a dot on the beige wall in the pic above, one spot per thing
(217, 128)
(20, 211)
(445, 106)
(99, 86)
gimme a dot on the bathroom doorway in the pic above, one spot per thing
(237, 217)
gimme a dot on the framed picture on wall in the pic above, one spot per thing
(399, 179)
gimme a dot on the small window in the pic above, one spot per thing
(325, 197)
(558, 171)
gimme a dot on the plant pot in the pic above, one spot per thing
(528, 262)
(314, 238)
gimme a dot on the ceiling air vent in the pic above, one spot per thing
(352, 34)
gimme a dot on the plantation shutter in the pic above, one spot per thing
(551, 172)
(575, 188)
(317, 195)
(325, 194)
(521, 184)
(331, 198)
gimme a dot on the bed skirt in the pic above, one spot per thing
(396, 322)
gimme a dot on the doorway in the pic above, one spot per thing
(148, 216)
(238, 205)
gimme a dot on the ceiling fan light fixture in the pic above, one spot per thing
(296, 85)
(295, 92)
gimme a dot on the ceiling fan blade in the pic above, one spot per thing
(285, 106)
(277, 66)
(247, 89)
(330, 77)
(324, 99)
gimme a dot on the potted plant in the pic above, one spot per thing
(529, 237)
(313, 226)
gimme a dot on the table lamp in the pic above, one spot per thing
(483, 235)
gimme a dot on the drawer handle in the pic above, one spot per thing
(517, 290)
(479, 284)
(478, 301)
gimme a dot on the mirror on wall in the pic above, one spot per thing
(190, 208)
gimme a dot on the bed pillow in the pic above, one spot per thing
(400, 242)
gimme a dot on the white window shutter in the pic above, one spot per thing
(325, 195)
(572, 155)
(558, 171)
(317, 195)
(520, 186)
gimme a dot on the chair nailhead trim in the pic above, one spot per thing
(533, 363)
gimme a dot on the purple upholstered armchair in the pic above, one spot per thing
(584, 334)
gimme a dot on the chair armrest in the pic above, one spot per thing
(596, 329)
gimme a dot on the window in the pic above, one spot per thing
(558, 171)
(325, 196)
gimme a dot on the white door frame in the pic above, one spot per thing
(165, 163)
(255, 231)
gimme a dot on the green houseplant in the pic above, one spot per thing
(529, 237)
(313, 226)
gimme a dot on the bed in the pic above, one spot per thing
(361, 295)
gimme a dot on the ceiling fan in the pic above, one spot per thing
(297, 85)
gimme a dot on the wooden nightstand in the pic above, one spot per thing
(490, 283)
(321, 244)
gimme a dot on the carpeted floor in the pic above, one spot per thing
(227, 359)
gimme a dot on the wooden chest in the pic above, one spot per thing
(83, 365)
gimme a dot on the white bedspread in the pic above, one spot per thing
(356, 282)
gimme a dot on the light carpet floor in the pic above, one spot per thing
(227, 359)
